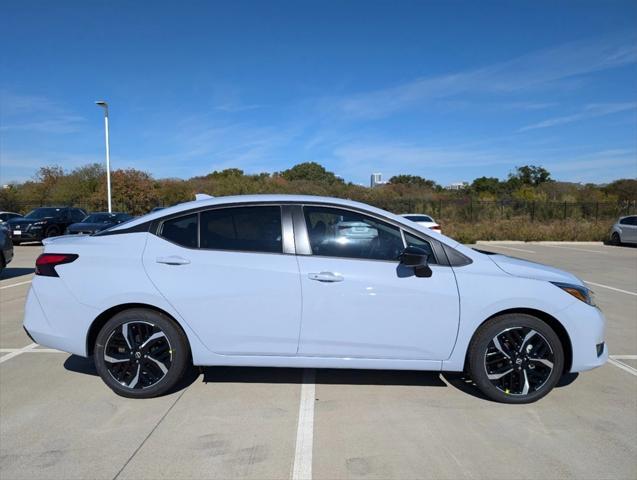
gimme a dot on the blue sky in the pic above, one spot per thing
(447, 90)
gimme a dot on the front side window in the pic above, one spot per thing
(342, 233)
(251, 229)
(413, 241)
(181, 230)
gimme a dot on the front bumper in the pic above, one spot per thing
(586, 327)
(27, 235)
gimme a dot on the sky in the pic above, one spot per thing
(448, 90)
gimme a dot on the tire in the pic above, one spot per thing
(52, 232)
(513, 370)
(615, 239)
(141, 370)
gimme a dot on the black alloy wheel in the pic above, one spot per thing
(516, 358)
(141, 353)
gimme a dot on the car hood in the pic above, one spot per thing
(21, 221)
(537, 271)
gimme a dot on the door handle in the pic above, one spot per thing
(326, 277)
(173, 260)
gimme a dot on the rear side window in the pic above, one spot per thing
(628, 221)
(181, 230)
(77, 215)
(249, 229)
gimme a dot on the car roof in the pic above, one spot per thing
(264, 198)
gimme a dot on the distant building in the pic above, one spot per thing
(457, 186)
(376, 179)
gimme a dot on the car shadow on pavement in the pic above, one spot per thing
(11, 272)
(324, 376)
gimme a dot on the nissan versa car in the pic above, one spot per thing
(301, 281)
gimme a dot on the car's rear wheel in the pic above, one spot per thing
(615, 239)
(141, 353)
(516, 358)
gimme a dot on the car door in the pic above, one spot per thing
(631, 229)
(231, 274)
(359, 302)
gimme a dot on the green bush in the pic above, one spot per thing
(525, 230)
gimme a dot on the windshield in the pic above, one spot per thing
(43, 213)
(419, 218)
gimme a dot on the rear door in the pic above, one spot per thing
(231, 274)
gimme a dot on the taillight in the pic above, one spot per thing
(435, 227)
(46, 263)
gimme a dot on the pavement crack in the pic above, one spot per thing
(149, 434)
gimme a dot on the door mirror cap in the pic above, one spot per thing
(416, 258)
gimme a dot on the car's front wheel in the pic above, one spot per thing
(615, 239)
(516, 358)
(141, 353)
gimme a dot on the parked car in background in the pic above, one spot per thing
(98, 221)
(43, 222)
(222, 282)
(424, 220)
(624, 231)
(5, 216)
(6, 247)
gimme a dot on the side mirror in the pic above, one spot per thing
(416, 258)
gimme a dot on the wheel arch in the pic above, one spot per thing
(106, 315)
(550, 320)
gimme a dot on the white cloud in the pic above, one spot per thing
(589, 111)
(526, 72)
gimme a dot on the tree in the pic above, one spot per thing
(624, 189)
(529, 175)
(490, 185)
(311, 172)
(412, 180)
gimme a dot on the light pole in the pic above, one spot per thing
(104, 105)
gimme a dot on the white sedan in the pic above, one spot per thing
(424, 220)
(310, 282)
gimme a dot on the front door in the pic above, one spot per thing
(359, 302)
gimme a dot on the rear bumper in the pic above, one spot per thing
(64, 324)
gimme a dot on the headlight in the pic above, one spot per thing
(38, 224)
(581, 293)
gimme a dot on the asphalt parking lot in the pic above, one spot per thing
(58, 420)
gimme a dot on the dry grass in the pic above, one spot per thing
(525, 230)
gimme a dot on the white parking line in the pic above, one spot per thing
(15, 285)
(611, 288)
(17, 352)
(624, 357)
(622, 365)
(575, 249)
(302, 469)
(511, 248)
